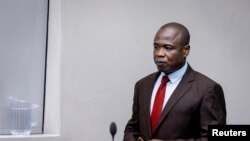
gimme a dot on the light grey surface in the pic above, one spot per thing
(107, 47)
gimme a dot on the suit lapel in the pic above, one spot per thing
(148, 93)
(178, 93)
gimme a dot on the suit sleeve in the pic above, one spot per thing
(131, 132)
(212, 111)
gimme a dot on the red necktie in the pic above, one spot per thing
(158, 103)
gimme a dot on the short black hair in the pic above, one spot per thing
(185, 36)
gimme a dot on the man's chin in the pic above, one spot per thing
(164, 70)
(160, 69)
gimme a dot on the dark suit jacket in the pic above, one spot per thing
(196, 103)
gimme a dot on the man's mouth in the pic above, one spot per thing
(160, 63)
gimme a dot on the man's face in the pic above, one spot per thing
(169, 51)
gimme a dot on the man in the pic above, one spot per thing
(176, 103)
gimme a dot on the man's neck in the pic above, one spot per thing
(177, 68)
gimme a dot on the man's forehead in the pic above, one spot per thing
(168, 33)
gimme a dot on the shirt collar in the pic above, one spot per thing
(174, 76)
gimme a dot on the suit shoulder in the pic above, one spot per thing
(204, 78)
(150, 77)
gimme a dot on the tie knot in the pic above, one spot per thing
(164, 79)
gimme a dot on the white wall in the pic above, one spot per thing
(107, 47)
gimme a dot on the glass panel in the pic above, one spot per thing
(23, 32)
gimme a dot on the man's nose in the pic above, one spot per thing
(159, 52)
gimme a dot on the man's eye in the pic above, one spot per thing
(156, 47)
(168, 47)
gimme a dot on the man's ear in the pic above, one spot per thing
(186, 50)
